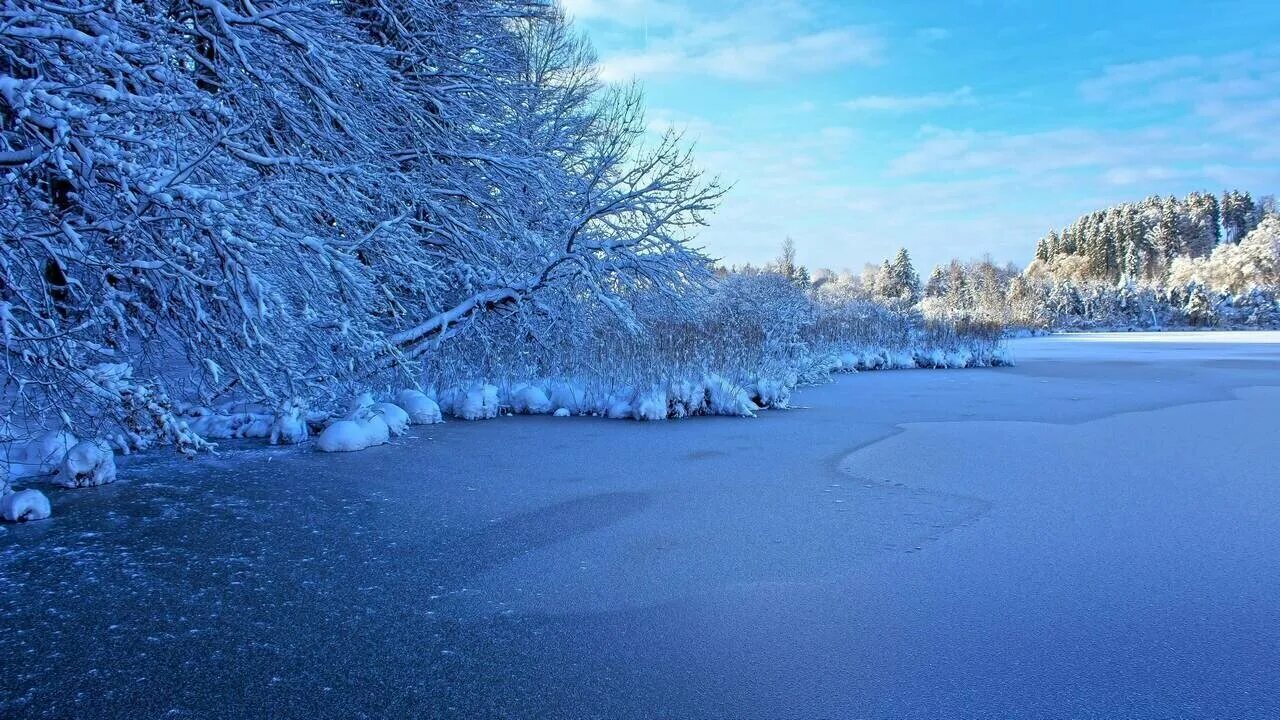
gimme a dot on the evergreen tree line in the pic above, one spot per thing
(1138, 242)
(1235, 284)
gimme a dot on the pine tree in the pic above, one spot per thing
(936, 287)
(903, 281)
(1203, 223)
(1239, 215)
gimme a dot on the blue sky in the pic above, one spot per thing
(953, 128)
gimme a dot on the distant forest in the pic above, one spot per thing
(1140, 241)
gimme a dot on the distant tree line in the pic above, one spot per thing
(1163, 262)
(1138, 242)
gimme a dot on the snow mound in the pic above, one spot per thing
(227, 426)
(725, 397)
(40, 455)
(529, 399)
(87, 463)
(651, 405)
(478, 403)
(394, 416)
(353, 435)
(773, 393)
(422, 410)
(24, 505)
(290, 424)
(686, 398)
(618, 405)
(563, 412)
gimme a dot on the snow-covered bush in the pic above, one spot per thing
(476, 402)
(353, 435)
(86, 464)
(290, 423)
(529, 399)
(36, 456)
(394, 416)
(24, 506)
(421, 409)
(650, 405)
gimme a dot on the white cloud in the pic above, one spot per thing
(948, 152)
(765, 59)
(740, 40)
(631, 13)
(913, 103)
(1233, 96)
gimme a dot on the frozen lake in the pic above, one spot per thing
(1094, 533)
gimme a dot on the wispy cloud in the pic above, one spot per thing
(1236, 95)
(913, 103)
(634, 13)
(951, 152)
(765, 59)
(749, 40)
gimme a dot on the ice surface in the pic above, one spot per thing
(1089, 534)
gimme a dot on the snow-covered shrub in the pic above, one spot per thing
(394, 416)
(24, 506)
(216, 425)
(687, 397)
(529, 399)
(650, 405)
(568, 395)
(36, 456)
(480, 402)
(353, 435)
(621, 405)
(87, 463)
(725, 397)
(421, 409)
(773, 393)
(290, 423)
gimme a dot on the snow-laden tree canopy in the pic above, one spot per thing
(274, 200)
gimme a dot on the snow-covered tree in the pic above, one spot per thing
(902, 281)
(268, 201)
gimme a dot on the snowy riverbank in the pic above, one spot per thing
(370, 421)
